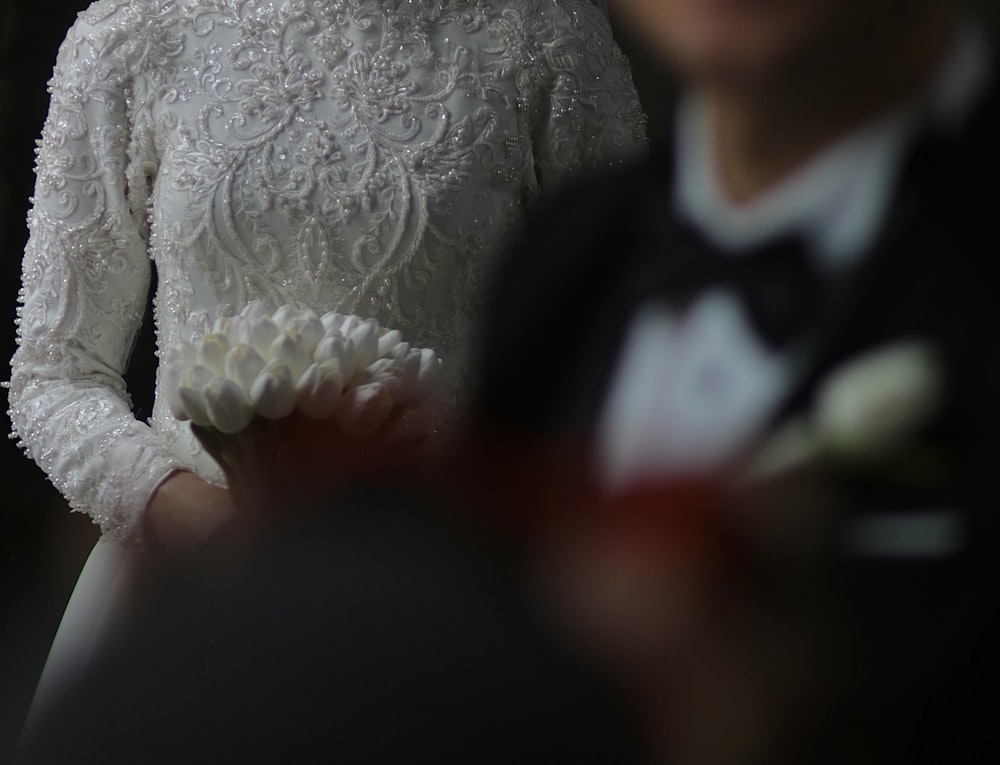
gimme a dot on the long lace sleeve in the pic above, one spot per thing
(85, 278)
(591, 114)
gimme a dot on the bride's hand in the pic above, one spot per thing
(185, 513)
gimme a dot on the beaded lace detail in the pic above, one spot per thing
(361, 156)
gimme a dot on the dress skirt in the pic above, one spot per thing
(100, 598)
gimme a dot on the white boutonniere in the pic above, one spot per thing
(866, 413)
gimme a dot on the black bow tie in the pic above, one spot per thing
(777, 283)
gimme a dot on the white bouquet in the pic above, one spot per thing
(285, 400)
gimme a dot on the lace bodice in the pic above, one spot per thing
(363, 156)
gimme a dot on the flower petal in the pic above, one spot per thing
(227, 405)
(365, 338)
(195, 377)
(362, 409)
(329, 348)
(262, 333)
(309, 330)
(341, 351)
(350, 323)
(388, 342)
(212, 352)
(384, 371)
(238, 331)
(243, 364)
(285, 315)
(332, 322)
(256, 310)
(272, 394)
(319, 390)
(193, 402)
(290, 351)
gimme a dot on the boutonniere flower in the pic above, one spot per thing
(865, 413)
(292, 392)
(874, 405)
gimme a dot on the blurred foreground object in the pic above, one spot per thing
(382, 633)
(794, 296)
(711, 599)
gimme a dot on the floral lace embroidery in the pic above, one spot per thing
(354, 155)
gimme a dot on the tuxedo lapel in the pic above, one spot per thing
(923, 270)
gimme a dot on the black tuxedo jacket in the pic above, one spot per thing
(564, 298)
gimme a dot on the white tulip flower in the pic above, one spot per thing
(385, 372)
(308, 328)
(255, 310)
(332, 322)
(262, 333)
(365, 338)
(398, 352)
(212, 352)
(290, 351)
(196, 377)
(238, 331)
(380, 369)
(337, 350)
(193, 402)
(273, 392)
(430, 374)
(243, 364)
(188, 397)
(318, 390)
(349, 324)
(362, 409)
(388, 342)
(284, 315)
(227, 405)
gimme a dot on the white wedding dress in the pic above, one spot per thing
(363, 156)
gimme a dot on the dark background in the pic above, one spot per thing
(42, 545)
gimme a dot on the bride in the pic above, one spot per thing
(362, 156)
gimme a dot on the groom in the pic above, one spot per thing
(825, 201)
